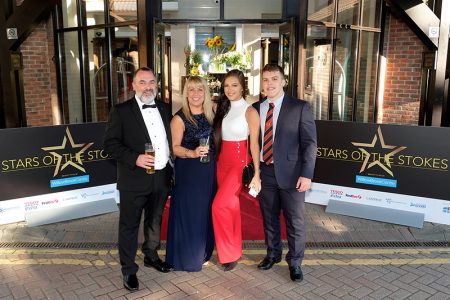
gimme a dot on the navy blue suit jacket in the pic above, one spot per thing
(295, 144)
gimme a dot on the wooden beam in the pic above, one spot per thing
(26, 17)
(419, 18)
(6, 96)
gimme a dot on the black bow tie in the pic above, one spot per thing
(148, 105)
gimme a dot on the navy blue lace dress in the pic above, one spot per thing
(190, 238)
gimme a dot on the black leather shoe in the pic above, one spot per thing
(158, 264)
(268, 262)
(229, 266)
(296, 273)
(131, 283)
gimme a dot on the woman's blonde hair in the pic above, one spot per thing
(196, 81)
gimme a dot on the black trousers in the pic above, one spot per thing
(273, 199)
(132, 204)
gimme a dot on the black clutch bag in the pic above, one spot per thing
(248, 173)
(249, 170)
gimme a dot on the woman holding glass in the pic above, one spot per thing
(190, 239)
(233, 122)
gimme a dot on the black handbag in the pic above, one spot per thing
(249, 170)
(248, 173)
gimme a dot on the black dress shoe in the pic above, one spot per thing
(130, 282)
(229, 266)
(268, 262)
(296, 273)
(158, 264)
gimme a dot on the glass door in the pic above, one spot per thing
(162, 61)
(287, 57)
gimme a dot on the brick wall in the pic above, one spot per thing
(403, 51)
(39, 76)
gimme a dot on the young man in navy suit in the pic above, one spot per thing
(288, 155)
(131, 125)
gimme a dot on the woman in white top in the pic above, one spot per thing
(233, 121)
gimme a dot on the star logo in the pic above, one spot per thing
(78, 164)
(386, 164)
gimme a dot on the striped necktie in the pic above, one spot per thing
(268, 136)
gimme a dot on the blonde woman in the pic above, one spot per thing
(190, 240)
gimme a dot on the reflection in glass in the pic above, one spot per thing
(95, 12)
(318, 67)
(348, 12)
(371, 13)
(71, 78)
(124, 63)
(344, 70)
(367, 77)
(123, 10)
(69, 13)
(321, 10)
(285, 56)
(253, 9)
(206, 10)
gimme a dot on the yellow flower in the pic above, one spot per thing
(207, 41)
(194, 71)
(219, 42)
(210, 44)
(216, 38)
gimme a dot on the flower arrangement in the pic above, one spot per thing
(216, 45)
(234, 59)
(192, 62)
(214, 85)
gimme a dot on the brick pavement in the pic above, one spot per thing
(329, 274)
(353, 273)
(320, 226)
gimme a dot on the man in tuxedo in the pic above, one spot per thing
(288, 155)
(131, 124)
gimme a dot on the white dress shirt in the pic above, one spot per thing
(157, 133)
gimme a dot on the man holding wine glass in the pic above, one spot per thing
(143, 179)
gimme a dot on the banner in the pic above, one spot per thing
(39, 165)
(401, 167)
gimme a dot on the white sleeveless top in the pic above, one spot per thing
(234, 125)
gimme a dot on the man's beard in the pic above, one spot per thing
(147, 99)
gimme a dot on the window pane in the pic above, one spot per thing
(123, 10)
(125, 62)
(371, 13)
(344, 70)
(367, 77)
(192, 9)
(69, 11)
(98, 73)
(348, 12)
(95, 12)
(71, 78)
(318, 67)
(253, 9)
(321, 10)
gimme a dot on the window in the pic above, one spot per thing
(88, 88)
(342, 42)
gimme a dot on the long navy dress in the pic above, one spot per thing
(190, 238)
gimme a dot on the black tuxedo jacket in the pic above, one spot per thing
(295, 143)
(125, 137)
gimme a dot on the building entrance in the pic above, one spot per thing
(211, 50)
